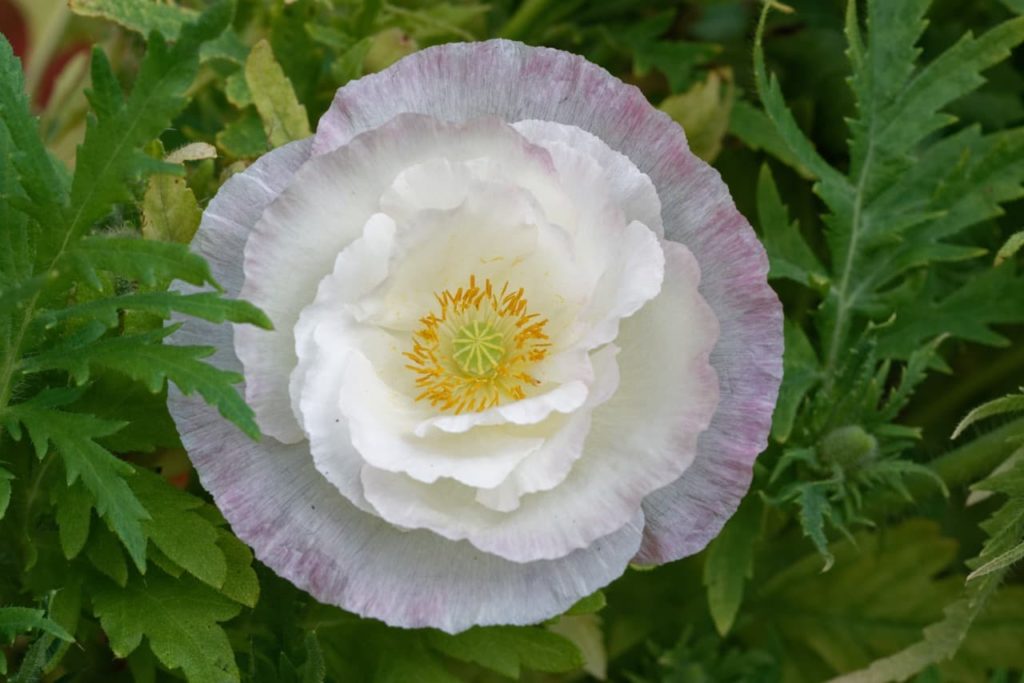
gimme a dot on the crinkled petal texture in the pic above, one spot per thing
(522, 337)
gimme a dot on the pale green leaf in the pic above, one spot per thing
(170, 211)
(284, 118)
(1010, 247)
(141, 16)
(1000, 406)
(703, 112)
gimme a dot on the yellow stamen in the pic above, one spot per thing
(473, 352)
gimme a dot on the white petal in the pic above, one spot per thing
(628, 186)
(301, 527)
(518, 82)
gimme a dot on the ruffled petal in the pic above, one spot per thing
(517, 82)
(321, 210)
(303, 529)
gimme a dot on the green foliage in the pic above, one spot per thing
(284, 119)
(507, 649)
(893, 231)
(730, 563)
(179, 618)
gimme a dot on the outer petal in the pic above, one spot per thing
(301, 526)
(517, 82)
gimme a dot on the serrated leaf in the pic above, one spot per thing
(143, 358)
(814, 509)
(944, 638)
(141, 16)
(987, 299)
(730, 562)
(241, 583)
(210, 306)
(884, 588)
(74, 435)
(170, 210)
(509, 649)
(1000, 406)
(187, 539)
(44, 186)
(753, 127)
(15, 620)
(788, 253)
(111, 157)
(147, 260)
(1012, 245)
(179, 618)
(284, 119)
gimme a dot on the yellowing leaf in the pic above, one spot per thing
(284, 118)
(170, 211)
(704, 111)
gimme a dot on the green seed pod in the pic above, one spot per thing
(848, 446)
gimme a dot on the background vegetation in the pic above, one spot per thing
(883, 173)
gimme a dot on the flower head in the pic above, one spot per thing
(522, 338)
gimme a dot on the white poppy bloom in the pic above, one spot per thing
(522, 337)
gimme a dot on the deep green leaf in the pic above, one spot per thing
(206, 305)
(185, 537)
(73, 436)
(180, 619)
(15, 620)
(5, 490)
(147, 260)
(730, 563)
(144, 358)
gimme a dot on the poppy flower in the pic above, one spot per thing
(522, 338)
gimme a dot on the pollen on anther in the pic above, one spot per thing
(473, 351)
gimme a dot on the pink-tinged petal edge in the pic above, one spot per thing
(305, 530)
(457, 82)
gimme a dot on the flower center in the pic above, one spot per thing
(474, 351)
(477, 348)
